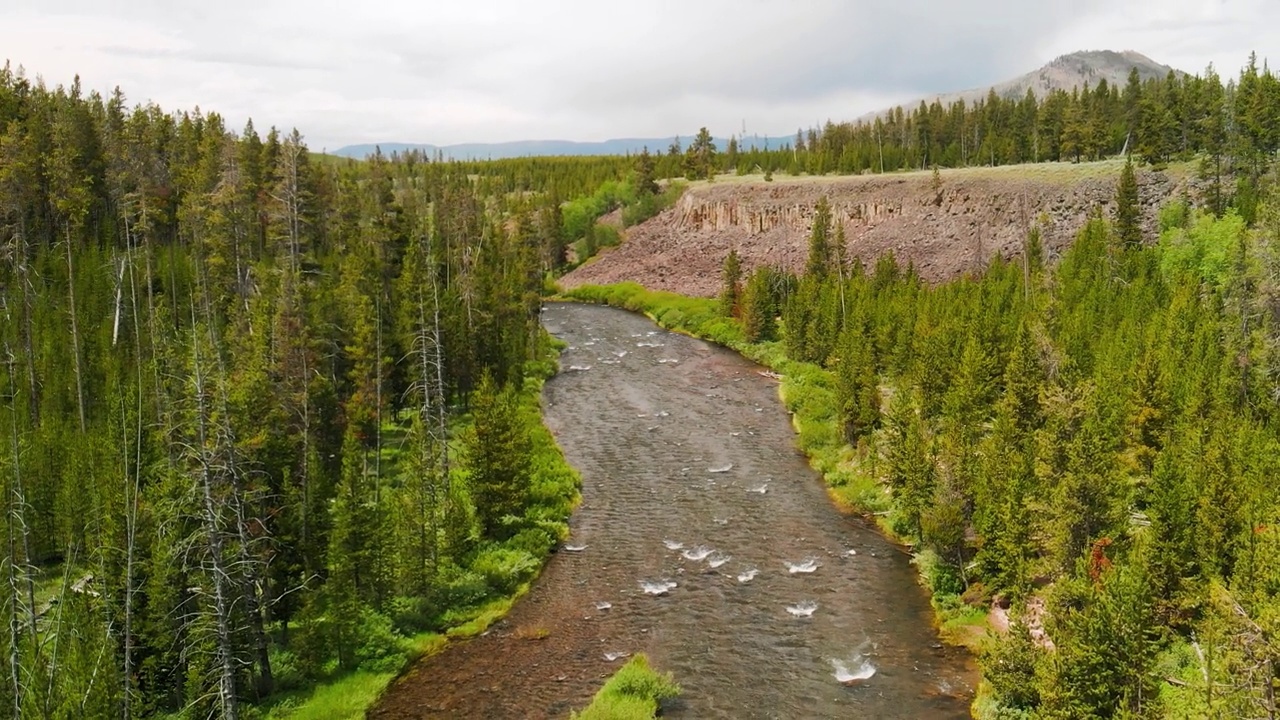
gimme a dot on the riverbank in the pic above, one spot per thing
(492, 588)
(705, 541)
(807, 392)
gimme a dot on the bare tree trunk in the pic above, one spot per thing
(377, 384)
(115, 325)
(75, 332)
(18, 515)
(441, 413)
(226, 661)
(15, 633)
(306, 447)
(11, 558)
(28, 311)
(52, 670)
(250, 582)
(132, 486)
(429, 502)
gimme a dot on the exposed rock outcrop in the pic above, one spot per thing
(945, 228)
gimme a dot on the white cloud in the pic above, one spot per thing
(492, 70)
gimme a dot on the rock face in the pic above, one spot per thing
(946, 227)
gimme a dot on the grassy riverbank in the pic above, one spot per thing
(633, 693)
(808, 392)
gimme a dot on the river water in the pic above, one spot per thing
(715, 545)
(704, 540)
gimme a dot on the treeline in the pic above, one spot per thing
(1233, 123)
(264, 418)
(1092, 446)
(561, 177)
(1229, 128)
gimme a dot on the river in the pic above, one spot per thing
(706, 541)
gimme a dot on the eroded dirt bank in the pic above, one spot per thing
(691, 483)
(946, 228)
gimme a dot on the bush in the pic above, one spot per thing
(647, 206)
(617, 707)
(577, 216)
(412, 615)
(606, 235)
(535, 541)
(380, 648)
(286, 670)
(505, 568)
(464, 589)
(633, 693)
(637, 679)
(941, 577)
(1205, 248)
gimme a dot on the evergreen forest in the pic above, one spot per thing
(271, 418)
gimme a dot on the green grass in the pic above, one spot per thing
(633, 693)
(48, 580)
(344, 699)
(348, 695)
(1046, 172)
(485, 615)
(963, 625)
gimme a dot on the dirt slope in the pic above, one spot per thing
(946, 228)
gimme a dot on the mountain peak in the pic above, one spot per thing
(1065, 72)
(1068, 71)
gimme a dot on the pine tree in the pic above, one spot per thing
(498, 453)
(819, 264)
(358, 551)
(1128, 211)
(644, 182)
(857, 387)
(1012, 668)
(731, 285)
(759, 308)
(911, 472)
(1104, 650)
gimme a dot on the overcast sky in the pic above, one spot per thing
(495, 70)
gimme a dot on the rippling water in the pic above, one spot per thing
(716, 547)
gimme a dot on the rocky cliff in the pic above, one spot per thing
(946, 226)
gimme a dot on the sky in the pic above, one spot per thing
(440, 72)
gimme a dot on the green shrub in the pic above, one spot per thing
(412, 615)
(465, 589)
(618, 707)
(606, 235)
(1204, 248)
(534, 541)
(647, 206)
(941, 577)
(637, 679)
(505, 568)
(633, 693)
(380, 648)
(286, 670)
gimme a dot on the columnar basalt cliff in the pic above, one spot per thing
(946, 226)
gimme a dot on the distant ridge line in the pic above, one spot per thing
(1064, 72)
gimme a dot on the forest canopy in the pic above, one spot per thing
(269, 416)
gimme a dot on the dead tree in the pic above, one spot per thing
(209, 475)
